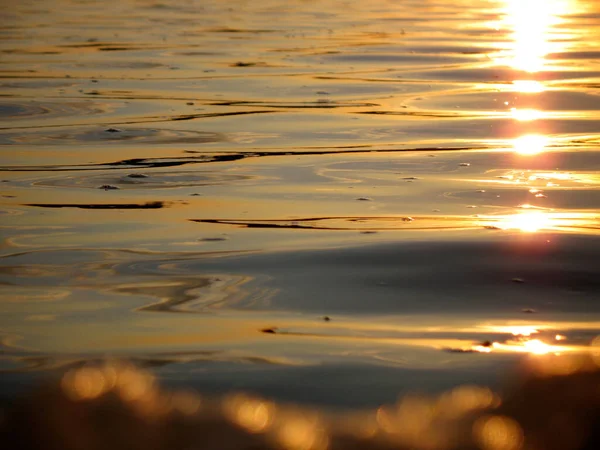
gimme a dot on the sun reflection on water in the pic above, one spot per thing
(528, 222)
(528, 86)
(524, 339)
(526, 115)
(531, 221)
(532, 23)
(530, 144)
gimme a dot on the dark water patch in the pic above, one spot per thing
(147, 205)
(407, 278)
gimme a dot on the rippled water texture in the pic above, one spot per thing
(329, 202)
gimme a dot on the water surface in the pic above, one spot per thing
(330, 202)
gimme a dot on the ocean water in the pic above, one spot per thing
(325, 202)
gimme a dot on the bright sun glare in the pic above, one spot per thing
(530, 144)
(528, 86)
(526, 115)
(528, 222)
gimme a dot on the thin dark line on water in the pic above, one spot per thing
(148, 205)
(293, 223)
(207, 158)
(316, 75)
(152, 119)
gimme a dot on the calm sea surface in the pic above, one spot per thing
(330, 202)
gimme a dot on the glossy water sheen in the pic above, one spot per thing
(322, 201)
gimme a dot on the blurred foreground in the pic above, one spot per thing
(553, 404)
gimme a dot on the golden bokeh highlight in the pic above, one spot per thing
(464, 399)
(86, 383)
(498, 433)
(302, 432)
(595, 350)
(252, 414)
(136, 388)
